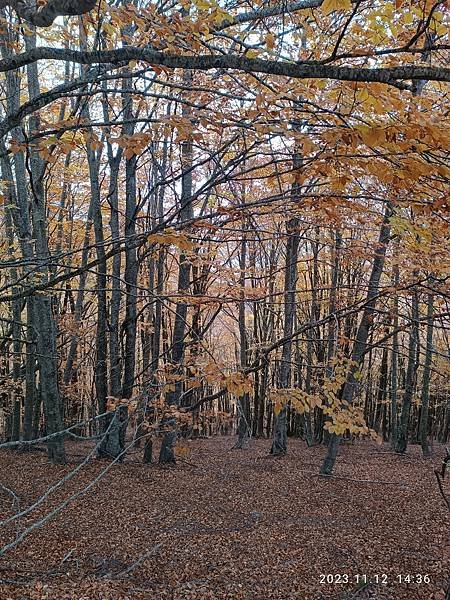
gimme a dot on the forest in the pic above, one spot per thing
(224, 299)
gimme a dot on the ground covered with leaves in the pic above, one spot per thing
(228, 523)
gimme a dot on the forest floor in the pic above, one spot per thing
(233, 524)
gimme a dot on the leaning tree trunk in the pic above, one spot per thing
(348, 390)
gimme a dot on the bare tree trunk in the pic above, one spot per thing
(425, 396)
(18, 195)
(30, 373)
(244, 431)
(402, 432)
(44, 322)
(16, 326)
(310, 344)
(131, 264)
(186, 212)
(394, 368)
(279, 443)
(114, 311)
(101, 342)
(323, 435)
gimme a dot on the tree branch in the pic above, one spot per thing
(45, 16)
(295, 70)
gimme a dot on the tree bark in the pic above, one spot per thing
(395, 346)
(348, 391)
(425, 396)
(44, 324)
(402, 433)
(186, 212)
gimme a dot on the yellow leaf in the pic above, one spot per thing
(270, 41)
(362, 95)
(202, 4)
(330, 6)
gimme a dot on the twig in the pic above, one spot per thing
(141, 559)
(22, 443)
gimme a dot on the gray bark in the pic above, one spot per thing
(113, 444)
(206, 62)
(395, 346)
(359, 347)
(44, 323)
(131, 264)
(101, 365)
(425, 396)
(279, 443)
(402, 431)
(186, 212)
(243, 404)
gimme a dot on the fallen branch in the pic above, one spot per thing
(23, 443)
(140, 560)
(440, 476)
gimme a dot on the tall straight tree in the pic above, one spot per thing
(42, 305)
(411, 369)
(185, 213)
(101, 340)
(425, 395)
(279, 442)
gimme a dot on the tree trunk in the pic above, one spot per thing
(113, 445)
(244, 430)
(394, 367)
(402, 433)
(359, 347)
(279, 443)
(186, 213)
(44, 323)
(101, 347)
(425, 396)
(131, 264)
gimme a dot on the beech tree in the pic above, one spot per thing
(224, 218)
